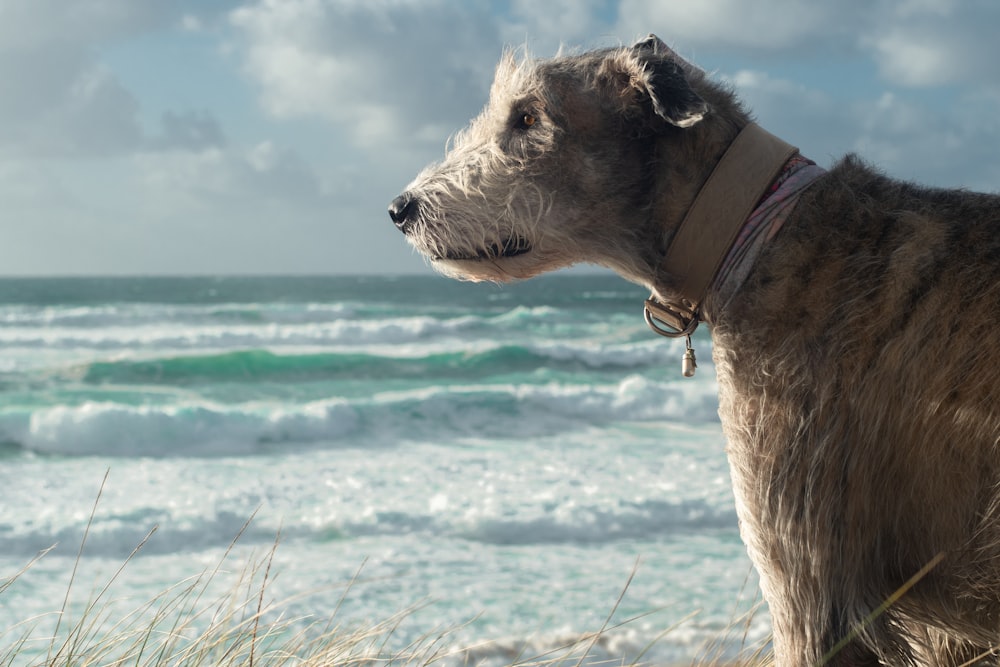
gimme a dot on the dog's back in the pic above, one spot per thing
(860, 389)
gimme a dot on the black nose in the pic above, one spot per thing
(403, 210)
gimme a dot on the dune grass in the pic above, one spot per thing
(185, 626)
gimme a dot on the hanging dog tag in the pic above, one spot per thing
(689, 364)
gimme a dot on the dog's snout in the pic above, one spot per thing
(403, 210)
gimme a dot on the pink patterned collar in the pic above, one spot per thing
(763, 224)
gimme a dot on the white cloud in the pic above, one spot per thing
(35, 25)
(218, 176)
(260, 209)
(217, 210)
(936, 44)
(25, 186)
(58, 99)
(763, 24)
(895, 131)
(546, 26)
(190, 130)
(913, 42)
(387, 70)
(912, 62)
(818, 122)
(91, 114)
(906, 8)
(52, 228)
(192, 23)
(951, 147)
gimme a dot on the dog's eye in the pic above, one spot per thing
(526, 120)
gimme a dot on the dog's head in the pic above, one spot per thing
(556, 169)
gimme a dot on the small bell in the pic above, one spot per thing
(689, 364)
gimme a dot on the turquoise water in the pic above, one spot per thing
(505, 453)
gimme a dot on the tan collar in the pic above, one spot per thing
(749, 166)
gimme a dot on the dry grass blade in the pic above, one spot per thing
(881, 609)
(737, 634)
(76, 563)
(6, 583)
(260, 598)
(614, 609)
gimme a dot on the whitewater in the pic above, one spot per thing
(499, 460)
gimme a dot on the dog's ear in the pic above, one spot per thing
(654, 46)
(651, 74)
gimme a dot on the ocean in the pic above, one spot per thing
(499, 462)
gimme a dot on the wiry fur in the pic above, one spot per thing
(859, 365)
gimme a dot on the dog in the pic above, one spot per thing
(855, 323)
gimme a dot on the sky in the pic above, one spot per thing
(268, 136)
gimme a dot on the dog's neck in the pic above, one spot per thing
(737, 191)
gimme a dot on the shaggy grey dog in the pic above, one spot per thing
(855, 319)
